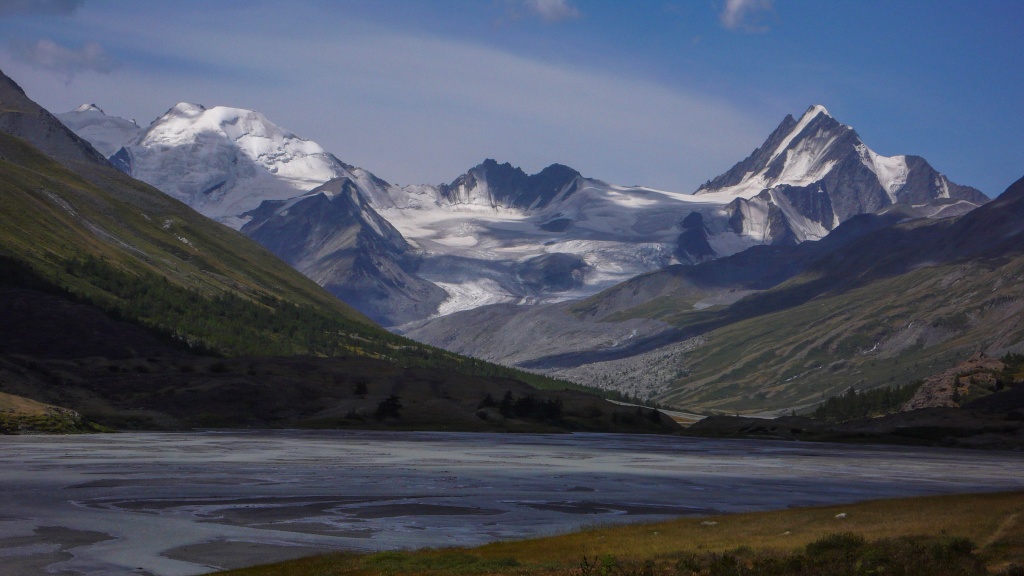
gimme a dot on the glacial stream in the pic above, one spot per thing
(181, 504)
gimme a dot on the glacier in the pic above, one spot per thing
(498, 235)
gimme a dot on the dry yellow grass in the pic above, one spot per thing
(21, 405)
(993, 521)
(984, 518)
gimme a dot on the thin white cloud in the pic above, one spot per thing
(552, 10)
(745, 15)
(48, 55)
(13, 7)
(414, 108)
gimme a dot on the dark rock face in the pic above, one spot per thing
(556, 225)
(122, 160)
(854, 189)
(693, 246)
(813, 202)
(334, 237)
(552, 273)
(756, 161)
(510, 187)
(746, 214)
(21, 117)
(923, 177)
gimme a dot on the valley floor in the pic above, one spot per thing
(182, 504)
(953, 535)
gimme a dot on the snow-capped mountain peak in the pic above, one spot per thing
(225, 161)
(798, 153)
(89, 108)
(189, 108)
(106, 133)
(808, 117)
(816, 109)
(189, 122)
(818, 153)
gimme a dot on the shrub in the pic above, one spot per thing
(388, 408)
(843, 543)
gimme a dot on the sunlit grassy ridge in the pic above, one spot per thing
(929, 319)
(992, 522)
(101, 237)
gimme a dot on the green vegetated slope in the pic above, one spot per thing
(118, 301)
(891, 331)
(116, 242)
(19, 414)
(892, 307)
(127, 247)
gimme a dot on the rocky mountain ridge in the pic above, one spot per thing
(499, 235)
(891, 292)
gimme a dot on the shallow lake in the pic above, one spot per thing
(177, 504)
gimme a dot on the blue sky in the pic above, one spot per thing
(660, 93)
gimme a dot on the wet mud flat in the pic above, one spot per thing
(182, 504)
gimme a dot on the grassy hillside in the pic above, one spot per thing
(104, 238)
(944, 535)
(887, 308)
(890, 331)
(19, 414)
(53, 215)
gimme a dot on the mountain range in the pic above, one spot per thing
(885, 299)
(811, 266)
(124, 306)
(498, 235)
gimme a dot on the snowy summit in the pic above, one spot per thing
(225, 161)
(107, 134)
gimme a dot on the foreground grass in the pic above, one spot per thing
(959, 534)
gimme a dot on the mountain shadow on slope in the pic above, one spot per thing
(555, 272)
(334, 237)
(121, 374)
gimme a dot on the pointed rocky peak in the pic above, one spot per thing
(815, 110)
(492, 164)
(343, 186)
(819, 153)
(10, 92)
(559, 172)
(507, 186)
(795, 153)
(22, 117)
(498, 175)
(89, 108)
